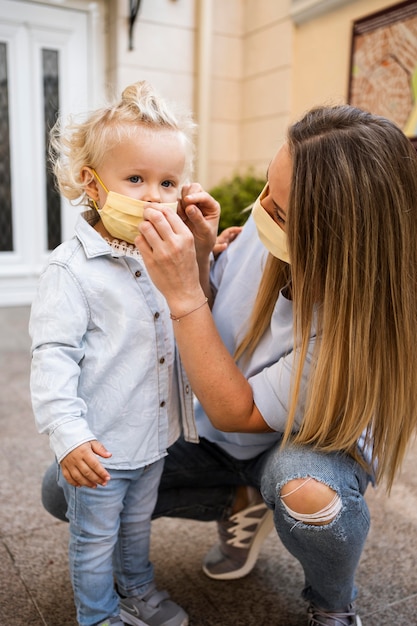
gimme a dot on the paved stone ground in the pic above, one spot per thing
(34, 581)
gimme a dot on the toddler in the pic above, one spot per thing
(105, 382)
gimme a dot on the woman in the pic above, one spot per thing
(320, 358)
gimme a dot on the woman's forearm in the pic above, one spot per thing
(219, 385)
(204, 277)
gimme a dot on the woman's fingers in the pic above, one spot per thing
(168, 251)
(203, 201)
(164, 233)
(165, 221)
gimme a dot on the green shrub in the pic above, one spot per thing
(235, 195)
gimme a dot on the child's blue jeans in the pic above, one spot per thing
(109, 536)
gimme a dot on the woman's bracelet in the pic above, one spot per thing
(177, 319)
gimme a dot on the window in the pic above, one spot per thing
(6, 222)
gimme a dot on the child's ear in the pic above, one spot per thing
(90, 183)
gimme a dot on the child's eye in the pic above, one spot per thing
(167, 183)
(135, 179)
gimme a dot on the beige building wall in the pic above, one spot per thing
(163, 47)
(225, 98)
(229, 61)
(251, 84)
(191, 51)
(322, 48)
(267, 78)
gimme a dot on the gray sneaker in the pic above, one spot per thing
(241, 537)
(153, 609)
(320, 617)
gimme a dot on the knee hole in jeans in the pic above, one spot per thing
(309, 501)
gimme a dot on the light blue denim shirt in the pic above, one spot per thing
(104, 364)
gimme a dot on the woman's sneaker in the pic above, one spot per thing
(112, 621)
(320, 617)
(241, 537)
(153, 609)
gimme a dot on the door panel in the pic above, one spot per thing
(43, 71)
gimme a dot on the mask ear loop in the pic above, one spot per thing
(99, 180)
(102, 184)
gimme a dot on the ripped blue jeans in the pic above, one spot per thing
(329, 553)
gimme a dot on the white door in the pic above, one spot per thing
(43, 71)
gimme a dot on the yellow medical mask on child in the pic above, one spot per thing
(269, 232)
(121, 214)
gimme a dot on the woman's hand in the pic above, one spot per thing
(168, 250)
(201, 212)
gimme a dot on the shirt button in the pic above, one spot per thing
(156, 315)
(187, 388)
(138, 273)
(162, 403)
(162, 360)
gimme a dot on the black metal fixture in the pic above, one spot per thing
(134, 6)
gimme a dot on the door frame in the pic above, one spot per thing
(20, 268)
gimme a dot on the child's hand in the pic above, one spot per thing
(81, 468)
(226, 236)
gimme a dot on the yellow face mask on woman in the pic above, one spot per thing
(269, 232)
(121, 215)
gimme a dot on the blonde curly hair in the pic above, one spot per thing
(85, 143)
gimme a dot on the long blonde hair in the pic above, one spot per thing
(85, 141)
(352, 235)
